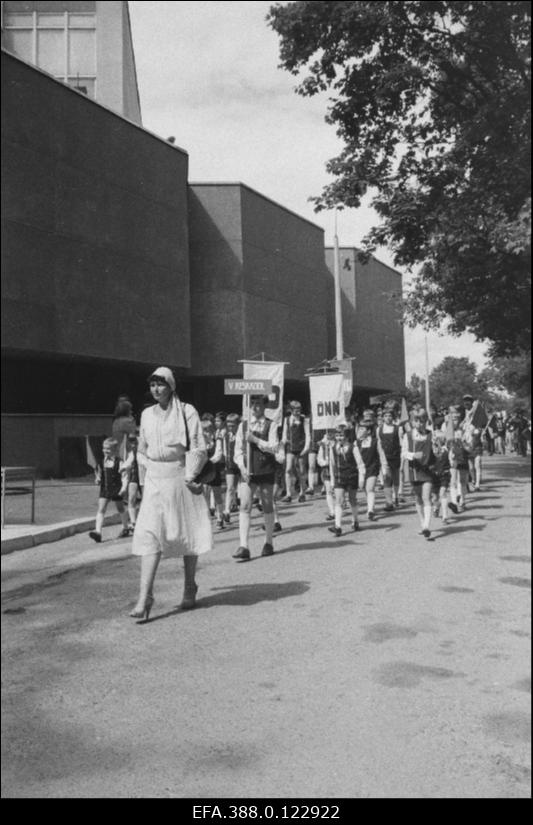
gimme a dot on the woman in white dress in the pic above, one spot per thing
(173, 519)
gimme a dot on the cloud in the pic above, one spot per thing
(208, 75)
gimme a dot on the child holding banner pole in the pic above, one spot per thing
(256, 445)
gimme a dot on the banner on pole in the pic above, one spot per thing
(240, 386)
(91, 458)
(345, 366)
(267, 371)
(479, 417)
(327, 400)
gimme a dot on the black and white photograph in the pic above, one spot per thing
(266, 403)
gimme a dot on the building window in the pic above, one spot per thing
(64, 45)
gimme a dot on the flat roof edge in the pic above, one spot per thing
(91, 100)
(259, 194)
(356, 249)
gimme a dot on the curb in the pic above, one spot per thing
(54, 532)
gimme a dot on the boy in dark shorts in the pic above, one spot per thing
(255, 450)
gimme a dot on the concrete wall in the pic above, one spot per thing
(116, 80)
(34, 440)
(130, 90)
(216, 261)
(284, 284)
(371, 320)
(95, 255)
(258, 282)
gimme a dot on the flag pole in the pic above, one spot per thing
(427, 377)
(248, 445)
(338, 296)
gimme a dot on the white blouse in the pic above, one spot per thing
(162, 438)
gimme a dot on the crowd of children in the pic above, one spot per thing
(259, 464)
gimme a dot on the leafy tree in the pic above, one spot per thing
(453, 378)
(511, 375)
(414, 391)
(431, 100)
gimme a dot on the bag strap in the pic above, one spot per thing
(187, 436)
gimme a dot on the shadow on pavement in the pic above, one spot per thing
(241, 595)
(443, 533)
(328, 544)
(512, 470)
(305, 526)
(386, 525)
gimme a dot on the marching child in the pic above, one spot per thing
(441, 477)
(315, 437)
(215, 454)
(347, 474)
(458, 461)
(134, 488)
(296, 438)
(390, 451)
(367, 443)
(473, 440)
(113, 485)
(325, 447)
(232, 471)
(417, 450)
(255, 454)
(279, 478)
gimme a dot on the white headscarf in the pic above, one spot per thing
(167, 375)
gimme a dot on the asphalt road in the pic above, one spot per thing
(374, 665)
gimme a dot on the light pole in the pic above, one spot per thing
(427, 376)
(338, 296)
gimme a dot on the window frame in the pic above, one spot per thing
(36, 23)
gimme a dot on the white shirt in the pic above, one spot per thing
(256, 426)
(293, 419)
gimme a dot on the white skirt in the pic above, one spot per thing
(172, 520)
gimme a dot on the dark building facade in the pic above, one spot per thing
(95, 252)
(372, 329)
(258, 284)
(113, 264)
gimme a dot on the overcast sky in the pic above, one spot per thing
(208, 75)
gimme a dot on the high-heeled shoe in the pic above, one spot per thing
(144, 614)
(189, 598)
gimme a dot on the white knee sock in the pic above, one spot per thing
(330, 501)
(244, 528)
(338, 515)
(427, 516)
(371, 501)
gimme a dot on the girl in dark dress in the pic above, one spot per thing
(417, 450)
(368, 447)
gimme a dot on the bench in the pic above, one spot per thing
(18, 474)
